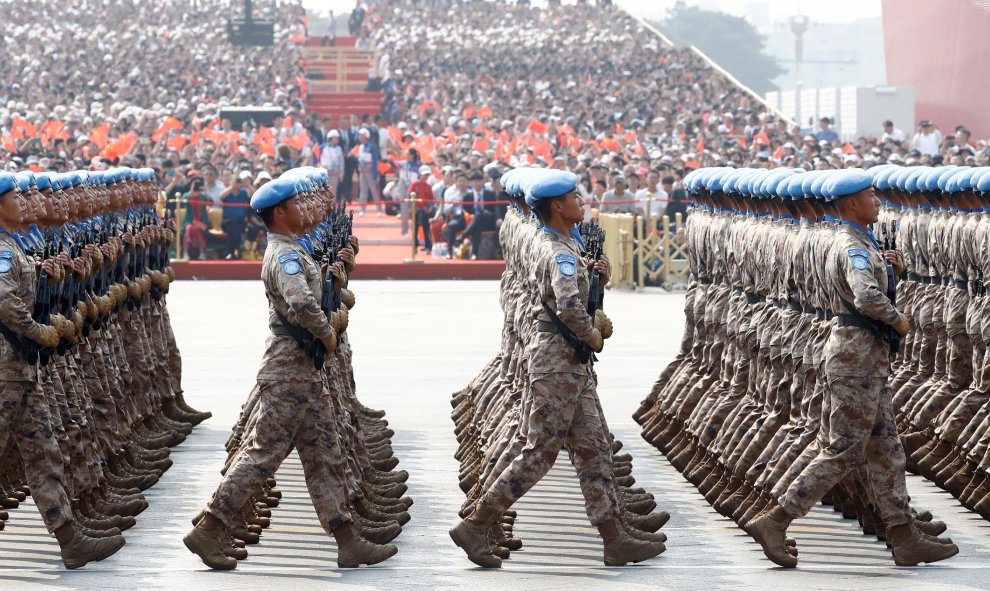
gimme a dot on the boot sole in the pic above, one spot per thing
(81, 562)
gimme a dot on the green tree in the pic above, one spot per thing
(731, 41)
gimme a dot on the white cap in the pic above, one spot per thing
(245, 174)
(364, 131)
(425, 170)
(333, 133)
(262, 176)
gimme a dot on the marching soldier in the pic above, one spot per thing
(553, 417)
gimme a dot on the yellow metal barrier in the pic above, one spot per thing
(661, 254)
(619, 246)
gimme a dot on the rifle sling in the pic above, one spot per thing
(556, 325)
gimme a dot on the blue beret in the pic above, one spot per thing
(272, 193)
(943, 179)
(959, 181)
(849, 182)
(714, 181)
(983, 184)
(818, 185)
(732, 179)
(912, 179)
(783, 188)
(752, 183)
(550, 184)
(25, 179)
(7, 182)
(897, 179)
(691, 180)
(43, 180)
(790, 187)
(928, 182)
(509, 181)
(808, 181)
(525, 179)
(881, 178)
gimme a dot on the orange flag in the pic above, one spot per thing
(484, 113)
(98, 137)
(480, 145)
(700, 148)
(20, 129)
(848, 149)
(761, 138)
(169, 124)
(176, 142)
(536, 127)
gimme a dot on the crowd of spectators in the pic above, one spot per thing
(470, 91)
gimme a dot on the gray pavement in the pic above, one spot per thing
(415, 343)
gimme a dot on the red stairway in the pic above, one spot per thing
(338, 77)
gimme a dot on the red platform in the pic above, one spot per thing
(383, 252)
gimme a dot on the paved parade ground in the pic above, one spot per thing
(414, 344)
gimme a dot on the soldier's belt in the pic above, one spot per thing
(858, 322)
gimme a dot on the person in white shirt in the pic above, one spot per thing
(928, 140)
(891, 133)
(652, 198)
(212, 185)
(332, 159)
(453, 211)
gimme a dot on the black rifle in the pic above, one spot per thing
(336, 237)
(594, 240)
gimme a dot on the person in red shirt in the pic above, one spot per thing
(423, 193)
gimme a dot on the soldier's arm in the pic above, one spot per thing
(869, 299)
(304, 308)
(570, 309)
(15, 313)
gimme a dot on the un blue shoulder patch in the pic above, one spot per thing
(291, 267)
(567, 264)
(5, 265)
(859, 258)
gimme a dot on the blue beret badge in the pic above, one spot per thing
(291, 267)
(5, 265)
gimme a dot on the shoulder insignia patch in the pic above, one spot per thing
(855, 252)
(860, 262)
(6, 254)
(568, 269)
(291, 267)
(565, 258)
(292, 255)
(5, 265)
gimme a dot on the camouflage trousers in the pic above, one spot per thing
(858, 425)
(26, 422)
(562, 409)
(287, 415)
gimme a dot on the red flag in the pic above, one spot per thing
(700, 148)
(536, 127)
(762, 138)
(169, 124)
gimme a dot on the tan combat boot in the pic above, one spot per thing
(769, 531)
(353, 550)
(78, 550)
(622, 548)
(472, 537)
(911, 549)
(208, 540)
